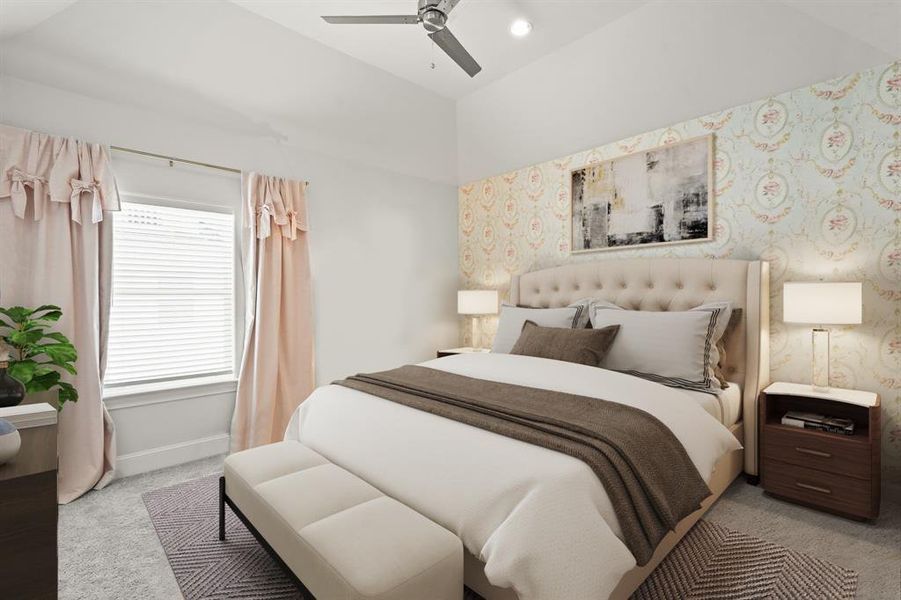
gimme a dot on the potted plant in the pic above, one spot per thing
(37, 356)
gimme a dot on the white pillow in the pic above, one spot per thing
(512, 319)
(675, 348)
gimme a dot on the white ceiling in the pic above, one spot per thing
(367, 94)
(482, 26)
(17, 16)
(873, 22)
(215, 63)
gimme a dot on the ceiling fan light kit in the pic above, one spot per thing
(432, 14)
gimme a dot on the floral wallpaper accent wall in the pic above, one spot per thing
(809, 180)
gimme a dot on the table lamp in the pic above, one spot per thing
(822, 303)
(477, 303)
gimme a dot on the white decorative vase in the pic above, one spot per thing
(10, 441)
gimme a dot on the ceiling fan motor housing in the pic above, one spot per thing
(433, 20)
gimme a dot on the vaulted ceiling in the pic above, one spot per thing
(482, 26)
(17, 16)
(369, 93)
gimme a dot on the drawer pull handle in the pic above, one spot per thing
(815, 488)
(813, 452)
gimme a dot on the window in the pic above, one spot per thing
(173, 301)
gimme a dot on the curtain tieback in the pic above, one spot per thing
(264, 221)
(78, 188)
(19, 180)
(292, 225)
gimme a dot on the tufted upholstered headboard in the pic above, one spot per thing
(674, 284)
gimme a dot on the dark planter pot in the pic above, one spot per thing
(12, 392)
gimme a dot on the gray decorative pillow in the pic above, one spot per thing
(581, 346)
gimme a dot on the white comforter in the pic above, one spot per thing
(539, 520)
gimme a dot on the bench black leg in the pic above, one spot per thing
(222, 508)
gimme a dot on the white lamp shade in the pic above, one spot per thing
(477, 302)
(822, 303)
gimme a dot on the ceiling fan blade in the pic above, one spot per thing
(453, 48)
(446, 6)
(373, 20)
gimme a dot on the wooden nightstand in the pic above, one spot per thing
(830, 471)
(452, 351)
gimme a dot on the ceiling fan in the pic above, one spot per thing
(433, 16)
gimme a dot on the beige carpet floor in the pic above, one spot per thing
(109, 549)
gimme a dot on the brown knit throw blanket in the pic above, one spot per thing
(646, 471)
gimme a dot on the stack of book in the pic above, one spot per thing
(818, 422)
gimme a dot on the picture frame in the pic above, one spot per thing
(653, 197)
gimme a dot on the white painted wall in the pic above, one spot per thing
(663, 63)
(383, 252)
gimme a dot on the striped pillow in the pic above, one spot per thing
(677, 349)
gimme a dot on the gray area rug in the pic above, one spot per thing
(711, 562)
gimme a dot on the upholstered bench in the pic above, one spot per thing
(339, 537)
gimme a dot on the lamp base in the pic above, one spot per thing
(476, 333)
(820, 360)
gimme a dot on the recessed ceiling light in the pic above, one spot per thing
(520, 28)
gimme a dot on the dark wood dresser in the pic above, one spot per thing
(833, 472)
(28, 515)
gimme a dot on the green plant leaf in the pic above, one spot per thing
(67, 366)
(30, 351)
(29, 325)
(59, 353)
(67, 393)
(43, 382)
(44, 307)
(41, 369)
(23, 370)
(55, 335)
(50, 317)
(18, 314)
(24, 338)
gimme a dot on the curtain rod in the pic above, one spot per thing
(180, 160)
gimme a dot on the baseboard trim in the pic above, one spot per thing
(161, 457)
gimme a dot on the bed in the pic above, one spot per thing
(536, 523)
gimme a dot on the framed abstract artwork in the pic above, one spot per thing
(659, 196)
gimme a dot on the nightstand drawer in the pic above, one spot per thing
(848, 456)
(828, 490)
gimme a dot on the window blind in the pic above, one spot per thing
(173, 309)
